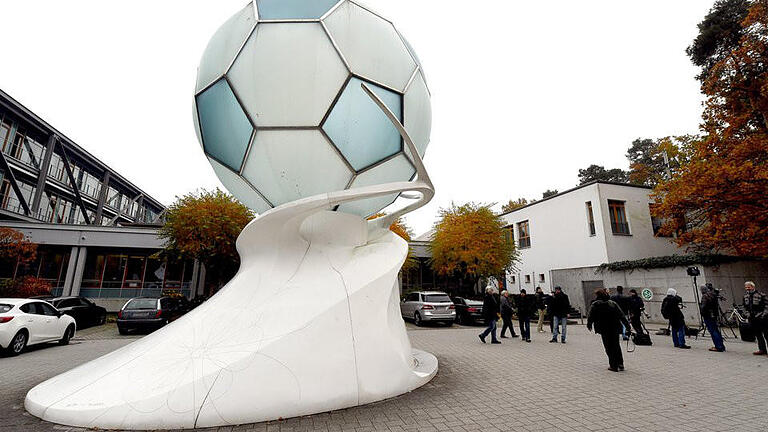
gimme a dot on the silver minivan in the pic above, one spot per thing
(432, 306)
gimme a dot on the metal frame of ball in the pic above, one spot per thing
(319, 127)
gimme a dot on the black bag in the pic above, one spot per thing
(642, 339)
(747, 334)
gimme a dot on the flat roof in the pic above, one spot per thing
(23, 111)
(575, 189)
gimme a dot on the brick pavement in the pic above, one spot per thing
(510, 387)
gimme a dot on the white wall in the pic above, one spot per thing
(641, 242)
(559, 237)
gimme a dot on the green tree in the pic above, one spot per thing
(549, 192)
(205, 226)
(652, 160)
(470, 242)
(598, 172)
(719, 34)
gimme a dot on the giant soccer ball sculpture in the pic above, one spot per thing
(316, 114)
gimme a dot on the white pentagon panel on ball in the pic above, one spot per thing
(223, 46)
(293, 9)
(286, 165)
(360, 129)
(418, 113)
(239, 188)
(371, 45)
(396, 169)
(287, 74)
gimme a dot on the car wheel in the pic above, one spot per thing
(17, 345)
(68, 333)
(449, 324)
(417, 319)
(122, 331)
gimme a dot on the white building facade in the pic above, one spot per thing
(592, 224)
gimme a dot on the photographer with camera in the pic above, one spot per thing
(756, 305)
(710, 310)
(671, 310)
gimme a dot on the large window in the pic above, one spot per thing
(8, 199)
(590, 219)
(618, 214)
(523, 235)
(656, 222)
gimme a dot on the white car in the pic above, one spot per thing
(28, 322)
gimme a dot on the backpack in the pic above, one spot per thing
(642, 339)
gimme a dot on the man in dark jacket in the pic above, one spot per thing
(670, 309)
(623, 301)
(709, 312)
(491, 315)
(756, 306)
(608, 318)
(541, 306)
(525, 307)
(560, 308)
(506, 314)
(636, 309)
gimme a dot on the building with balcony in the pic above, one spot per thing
(96, 231)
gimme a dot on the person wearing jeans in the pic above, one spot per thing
(709, 312)
(491, 315)
(670, 309)
(560, 308)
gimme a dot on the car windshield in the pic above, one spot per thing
(146, 303)
(5, 308)
(437, 298)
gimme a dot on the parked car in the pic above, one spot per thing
(150, 313)
(25, 322)
(424, 306)
(468, 311)
(85, 312)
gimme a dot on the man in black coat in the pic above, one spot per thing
(756, 306)
(560, 307)
(636, 309)
(608, 318)
(623, 301)
(491, 315)
(525, 307)
(670, 309)
(507, 310)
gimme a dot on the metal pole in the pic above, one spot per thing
(698, 304)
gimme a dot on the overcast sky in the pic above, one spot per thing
(524, 93)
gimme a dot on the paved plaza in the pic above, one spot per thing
(510, 387)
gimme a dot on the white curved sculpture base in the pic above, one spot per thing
(310, 323)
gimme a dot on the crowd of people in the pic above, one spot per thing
(619, 316)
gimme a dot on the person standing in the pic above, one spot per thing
(541, 306)
(670, 309)
(636, 309)
(560, 308)
(506, 315)
(709, 312)
(608, 320)
(491, 315)
(525, 306)
(623, 303)
(756, 306)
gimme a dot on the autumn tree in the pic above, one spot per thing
(514, 204)
(15, 249)
(719, 199)
(205, 226)
(470, 243)
(548, 193)
(598, 172)
(653, 160)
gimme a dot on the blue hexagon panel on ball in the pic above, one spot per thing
(281, 115)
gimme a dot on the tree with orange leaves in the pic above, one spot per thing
(205, 226)
(469, 243)
(400, 228)
(16, 249)
(718, 201)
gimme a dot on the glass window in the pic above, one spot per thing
(66, 303)
(30, 151)
(618, 214)
(141, 303)
(523, 235)
(395, 169)
(293, 9)
(590, 219)
(173, 272)
(527, 278)
(225, 128)
(5, 308)
(46, 309)
(28, 308)
(437, 298)
(93, 270)
(9, 199)
(114, 270)
(134, 273)
(541, 277)
(5, 133)
(513, 279)
(113, 198)
(56, 168)
(656, 222)
(360, 130)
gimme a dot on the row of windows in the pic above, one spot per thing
(618, 218)
(27, 149)
(527, 277)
